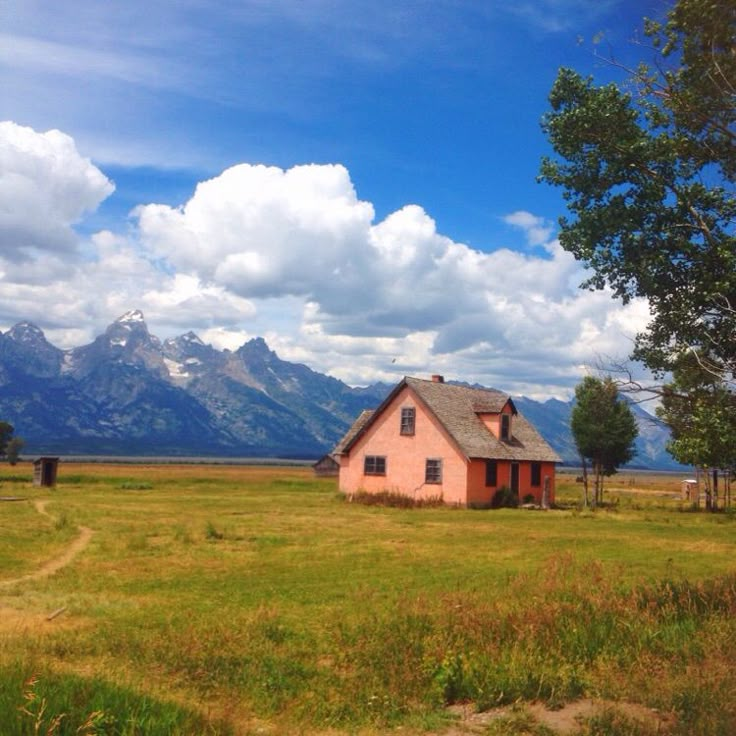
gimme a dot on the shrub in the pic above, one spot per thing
(505, 498)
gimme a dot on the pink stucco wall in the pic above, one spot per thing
(406, 456)
(493, 421)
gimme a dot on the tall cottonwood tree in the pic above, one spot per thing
(604, 429)
(648, 170)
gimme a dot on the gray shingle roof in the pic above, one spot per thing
(457, 408)
(355, 428)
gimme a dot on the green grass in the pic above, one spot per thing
(242, 598)
(57, 705)
(27, 538)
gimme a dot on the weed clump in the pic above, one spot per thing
(130, 485)
(395, 500)
(212, 533)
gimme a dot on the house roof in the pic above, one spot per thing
(353, 432)
(457, 408)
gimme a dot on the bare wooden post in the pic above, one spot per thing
(545, 492)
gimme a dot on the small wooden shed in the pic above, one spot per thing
(44, 471)
(326, 467)
(690, 490)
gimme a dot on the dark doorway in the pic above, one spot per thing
(515, 477)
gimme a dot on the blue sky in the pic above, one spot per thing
(412, 236)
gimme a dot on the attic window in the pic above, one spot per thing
(374, 465)
(505, 427)
(408, 415)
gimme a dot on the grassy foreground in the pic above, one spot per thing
(244, 600)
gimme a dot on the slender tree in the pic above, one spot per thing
(604, 429)
(13, 449)
(6, 433)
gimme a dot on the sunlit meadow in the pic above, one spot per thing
(219, 599)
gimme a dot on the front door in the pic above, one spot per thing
(515, 478)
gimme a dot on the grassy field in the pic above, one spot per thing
(243, 600)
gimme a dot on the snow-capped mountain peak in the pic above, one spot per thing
(131, 316)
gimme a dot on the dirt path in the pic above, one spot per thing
(565, 721)
(52, 566)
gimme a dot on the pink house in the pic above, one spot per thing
(431, 438)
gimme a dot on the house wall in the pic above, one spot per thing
(406, 456)
(480, 494)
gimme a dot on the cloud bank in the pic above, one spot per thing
(296, 256)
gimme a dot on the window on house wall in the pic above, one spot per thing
(408, 416)
(433, 471)
(505, 427)
(491, 473)
(536, 474)
(374, 465)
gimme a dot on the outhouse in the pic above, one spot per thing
(44, 471)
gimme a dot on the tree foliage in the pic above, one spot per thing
(700, 410)
(13, 449)
(6, 433)
(647, 168)
(10, 446)
(604, 429)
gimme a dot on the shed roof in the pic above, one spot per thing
(457, 408)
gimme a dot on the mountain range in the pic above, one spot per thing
(128, 393)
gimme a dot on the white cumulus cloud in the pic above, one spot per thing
(46, 187)
(297, 257)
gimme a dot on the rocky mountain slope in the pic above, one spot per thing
(128, 393)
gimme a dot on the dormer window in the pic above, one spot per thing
(505, 426)
(408, 416)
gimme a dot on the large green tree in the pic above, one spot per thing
(647, 167)
(604, 429)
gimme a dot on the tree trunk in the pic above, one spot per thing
(586, 503)
(598, 484)
(707, 489)
(714, 505)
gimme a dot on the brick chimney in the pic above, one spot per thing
(436, 378)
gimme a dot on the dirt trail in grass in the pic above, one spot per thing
(52, 566)
(564, 721)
